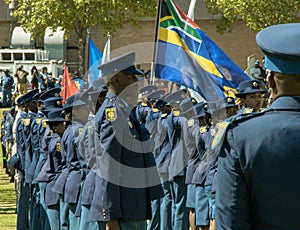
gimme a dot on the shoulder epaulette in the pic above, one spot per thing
(44, 124)
(244, 117)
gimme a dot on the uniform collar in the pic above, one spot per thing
(286, 102)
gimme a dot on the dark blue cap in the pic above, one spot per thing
(69, 102)
(186, 105)
(37, 96)
(54, 92)
(147, 89)
(200, 109)
(176, 97)
(161, 103)
(124, 63)
(78, 99)
(55, 115)
(155, 95)
(51, 103)
(29, 96)
(280, 44)
(223, 103)
(249, 86)
(98, 83)
(97, 91)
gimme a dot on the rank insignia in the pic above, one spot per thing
(130, 124)
(191, 122)
(111, 114)
(38, 120)
(80, 131)
(247, 110)
(58, 147)
(44, 124)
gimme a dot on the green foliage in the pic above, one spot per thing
(257, 14)
(36, 15)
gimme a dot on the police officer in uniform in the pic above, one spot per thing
(125, 195)
(258, 171)
(57, 125)
(47, 101)
(69, 156)
(251, 95)
(87, 147)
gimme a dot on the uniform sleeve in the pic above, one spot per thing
(232, 197)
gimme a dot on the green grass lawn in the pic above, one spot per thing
(7, 198)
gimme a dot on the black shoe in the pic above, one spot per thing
(12, 179)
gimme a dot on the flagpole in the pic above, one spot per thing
(158, 14)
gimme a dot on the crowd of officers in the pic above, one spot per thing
(87, 162)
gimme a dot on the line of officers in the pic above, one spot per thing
(95, 162)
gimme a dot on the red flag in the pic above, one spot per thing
(69, 87)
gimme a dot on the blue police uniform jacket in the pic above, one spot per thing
(116, 196)
(258, 170)
(76, 162)
(179, 156)
(141, 111)
(87, 147)
(162, 151)
(151, 121)
(28, 148)
(40, 174)
(20, 141)
(8, 129)
(53, 167)
(203, 149)
(34, 141)
(191, 131)
(61, 179)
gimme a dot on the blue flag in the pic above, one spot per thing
(95, 58)
(187, 56)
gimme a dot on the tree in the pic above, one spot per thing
(78, 15)
(257, 14)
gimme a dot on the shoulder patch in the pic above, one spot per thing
(26, 122)
(219, 137)
(191, 122)
(80, 131)
(203, 129)
(38, 120)
(58, 146)
(111, 114)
